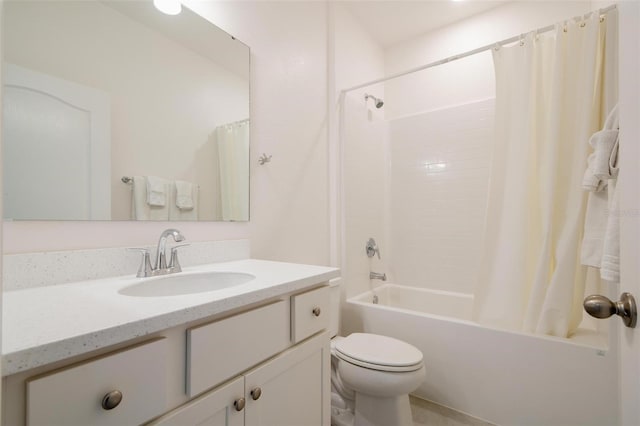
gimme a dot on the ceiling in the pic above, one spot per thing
(392, 21)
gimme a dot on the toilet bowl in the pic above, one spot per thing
(371, 377)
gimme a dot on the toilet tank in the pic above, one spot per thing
(334, 306)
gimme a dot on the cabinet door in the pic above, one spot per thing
(218, 407)
(292, 389)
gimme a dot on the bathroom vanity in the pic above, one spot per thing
(254, 353)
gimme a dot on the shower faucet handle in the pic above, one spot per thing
(372, 248)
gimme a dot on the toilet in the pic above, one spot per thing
(371, 376)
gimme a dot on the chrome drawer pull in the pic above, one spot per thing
(316, 312)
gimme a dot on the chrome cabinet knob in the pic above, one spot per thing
(256, 393)
(316, 311)
(239, 404)
(601, 307)
(111, 400)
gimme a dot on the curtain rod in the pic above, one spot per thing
(471, 52)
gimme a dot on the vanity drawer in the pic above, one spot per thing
(76, 395)
(309, 313)
(222, 349)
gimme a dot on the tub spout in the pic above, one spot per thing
(377, 276)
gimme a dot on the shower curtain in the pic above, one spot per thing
(233, 159)
(550, 98)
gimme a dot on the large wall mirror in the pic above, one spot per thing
(113, 110)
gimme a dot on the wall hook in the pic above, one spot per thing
(264, 159)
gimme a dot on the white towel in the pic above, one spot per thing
(156, 191)
(600, 243)
(610, 269)
(591, 182)
(604, 145)
(184, 195)
(140, 209)
(602, 163)
(177, 214)
(594, 229)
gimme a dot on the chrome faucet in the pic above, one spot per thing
(161, 254)
(377, 276)
(160, 266)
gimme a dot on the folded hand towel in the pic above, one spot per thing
(184, 195)
(156, 191)
(140, 209)
(178, 214)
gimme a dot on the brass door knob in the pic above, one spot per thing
(239, 404)
(256, 393)
(601, 307)
(111, 400)
(316, 312)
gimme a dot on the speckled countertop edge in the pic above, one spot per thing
(48, 324)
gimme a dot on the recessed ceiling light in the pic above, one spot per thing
(170, 7)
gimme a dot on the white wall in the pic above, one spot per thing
(289, 195)
(362, 141)
(439, 174)
(471, 78)
(289, 213)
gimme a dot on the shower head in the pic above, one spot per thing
(377, 101)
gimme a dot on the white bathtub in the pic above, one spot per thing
(503, 377)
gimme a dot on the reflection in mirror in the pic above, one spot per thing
(115, 111)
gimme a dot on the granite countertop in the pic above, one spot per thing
(47, 324)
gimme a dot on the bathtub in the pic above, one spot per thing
(502, 377)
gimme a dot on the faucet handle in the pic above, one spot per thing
(144, 270)
(372, 248)
(174, 263)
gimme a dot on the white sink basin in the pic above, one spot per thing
(186, 283)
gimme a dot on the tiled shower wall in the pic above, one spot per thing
(439, 175)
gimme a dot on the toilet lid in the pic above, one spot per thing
(379, 352)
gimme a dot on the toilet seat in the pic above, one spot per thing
(377, 352)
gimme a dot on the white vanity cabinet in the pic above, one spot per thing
(268, 365)
(291, 389)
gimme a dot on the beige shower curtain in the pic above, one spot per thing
(233, 161)
(550, 91)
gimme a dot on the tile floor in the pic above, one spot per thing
(429, 413)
